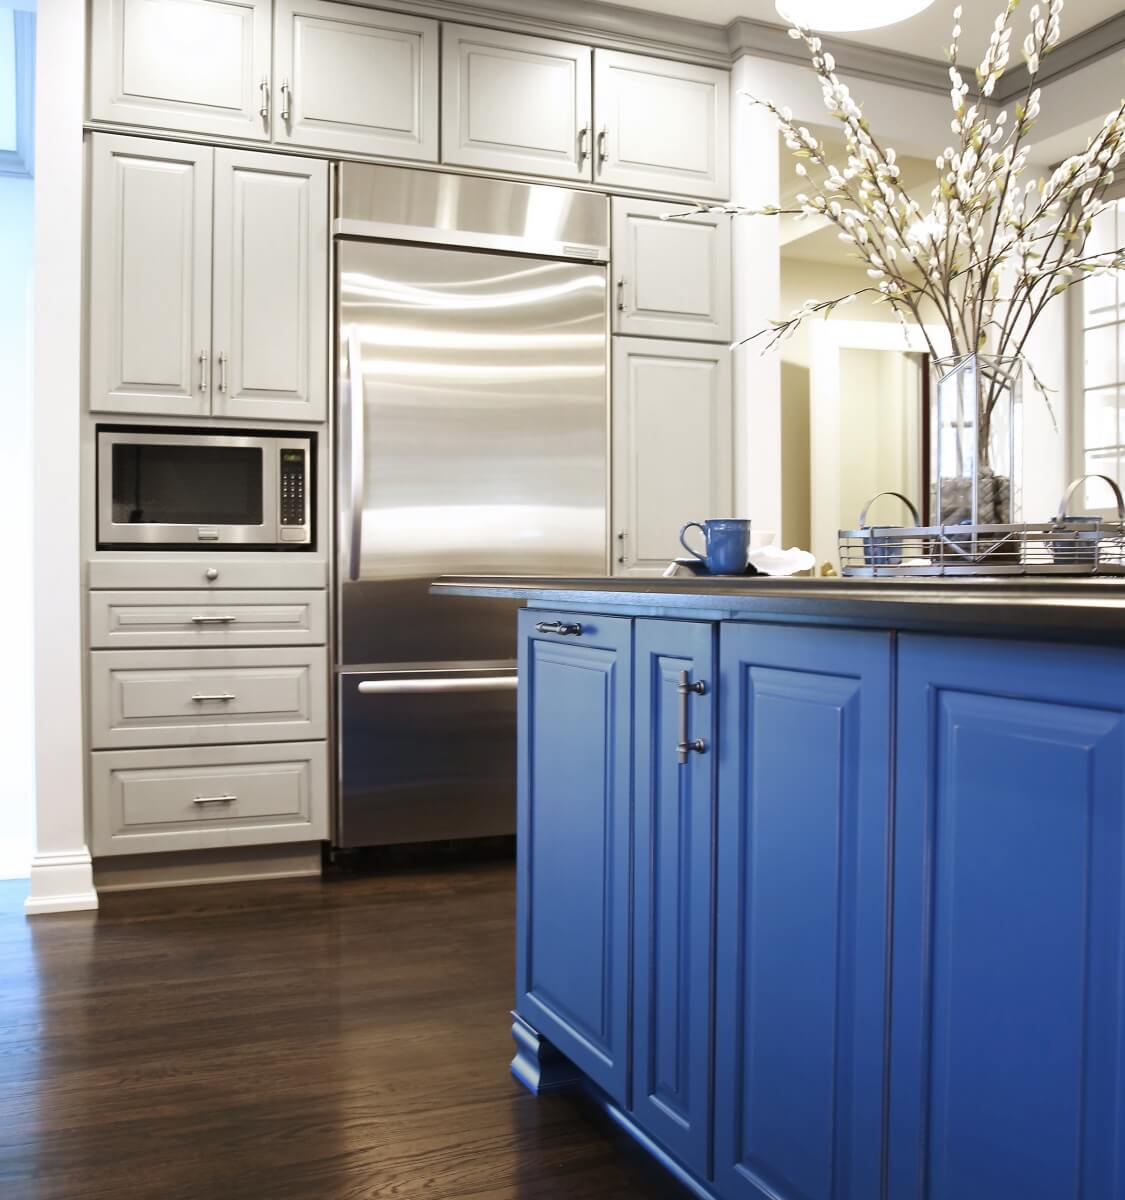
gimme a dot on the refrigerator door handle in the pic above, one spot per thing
(489, 683)
(355, 452)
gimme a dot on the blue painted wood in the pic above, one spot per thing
(673, 889)
(574, 816)
(802, 912)
(537, 1064)
(1008, 1001)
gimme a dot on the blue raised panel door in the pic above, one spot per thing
(802, 912)
(575, 707)
(1008, 996)
(673, 937)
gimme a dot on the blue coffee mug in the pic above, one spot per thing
(727, 542)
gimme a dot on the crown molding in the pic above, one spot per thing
(1069, 56)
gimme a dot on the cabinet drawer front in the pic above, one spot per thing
(141, 620)
(188, 799)
(183, 697)
(216, 573)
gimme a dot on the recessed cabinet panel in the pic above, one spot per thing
(672, 447)
(515, 103)
(150, 277)
(356, 80)
(270, 286)
(662, 126)
(673, 278)
(193, 65)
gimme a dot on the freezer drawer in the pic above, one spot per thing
(426, 756)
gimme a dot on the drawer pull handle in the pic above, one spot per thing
(563, 629)
(220, 620)
(686, 745)
(203, 698)
(398, 687)
(228, 799)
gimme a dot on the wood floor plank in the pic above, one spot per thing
(344, 1039)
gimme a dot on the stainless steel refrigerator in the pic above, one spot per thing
(471, 426)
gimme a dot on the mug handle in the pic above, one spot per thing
(694, 553)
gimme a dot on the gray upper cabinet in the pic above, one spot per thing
(516, 103)
(270, 324)
(200, 66)
(356, 80)
(150, 277)
(673, 441)
(662, 126)
(672, 278)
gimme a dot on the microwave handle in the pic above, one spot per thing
(355, 452)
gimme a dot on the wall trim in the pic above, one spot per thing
(61, 882)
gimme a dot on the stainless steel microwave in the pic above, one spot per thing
(160, 488)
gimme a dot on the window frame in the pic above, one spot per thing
(20, 162)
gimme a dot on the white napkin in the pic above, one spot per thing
(772, 560)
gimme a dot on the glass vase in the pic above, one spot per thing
(976, 440)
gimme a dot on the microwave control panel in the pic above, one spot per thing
(293, 474)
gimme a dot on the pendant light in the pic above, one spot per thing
(848, 16)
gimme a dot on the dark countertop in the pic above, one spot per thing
(1089, 610)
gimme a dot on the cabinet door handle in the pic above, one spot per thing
(215, 620)
(583, 144)
(621, 294)
(264, 108)
(203, 371)
(621, 545)
(686, 745)
(205, 698)
(561, 628)
(223, 371)
(603, 145)
(229, 798)
(285, 93)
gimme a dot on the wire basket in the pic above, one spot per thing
(1065, 545)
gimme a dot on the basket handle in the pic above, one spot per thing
(898, 496)
(1078, 483)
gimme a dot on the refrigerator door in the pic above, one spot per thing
(426, 756)
(473, 403)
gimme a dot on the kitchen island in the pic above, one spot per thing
(821, 886)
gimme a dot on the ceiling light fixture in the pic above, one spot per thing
(848, 16)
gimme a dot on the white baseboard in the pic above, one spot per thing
(61, 883)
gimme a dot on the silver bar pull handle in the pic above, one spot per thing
(563, 629)
(264, 91)
(354, 392)
(205, 698)
(398, 687)
(229, 798)
(583, 144)
(686, 745)
(203, 371)
(222, 371)
(286, 92)
(603, 145)
(621, 294)
(215, 620)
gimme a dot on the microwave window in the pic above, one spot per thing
(169, 484)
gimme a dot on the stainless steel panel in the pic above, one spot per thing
(430, 765)
(464, 210)
(483, 430)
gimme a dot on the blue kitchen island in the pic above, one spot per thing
(821, 884)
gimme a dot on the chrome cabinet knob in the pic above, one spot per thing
(212, 573)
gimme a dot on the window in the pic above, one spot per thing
(17, 91)
(1098, 316)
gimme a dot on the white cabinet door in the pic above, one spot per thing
(150, 277)
(356, 80)
(661, 126)
(672, 277)
(270, 293)
(672, 447)
(515, 103)
(202, 66)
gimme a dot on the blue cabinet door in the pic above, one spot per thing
(802, 912)
(575, 707)
(1008, 991)
(674, 805)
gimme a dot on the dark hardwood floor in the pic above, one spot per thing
(300, 1040)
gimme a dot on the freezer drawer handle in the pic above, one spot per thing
(563, 630)
(230, 798)
(490, 683)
